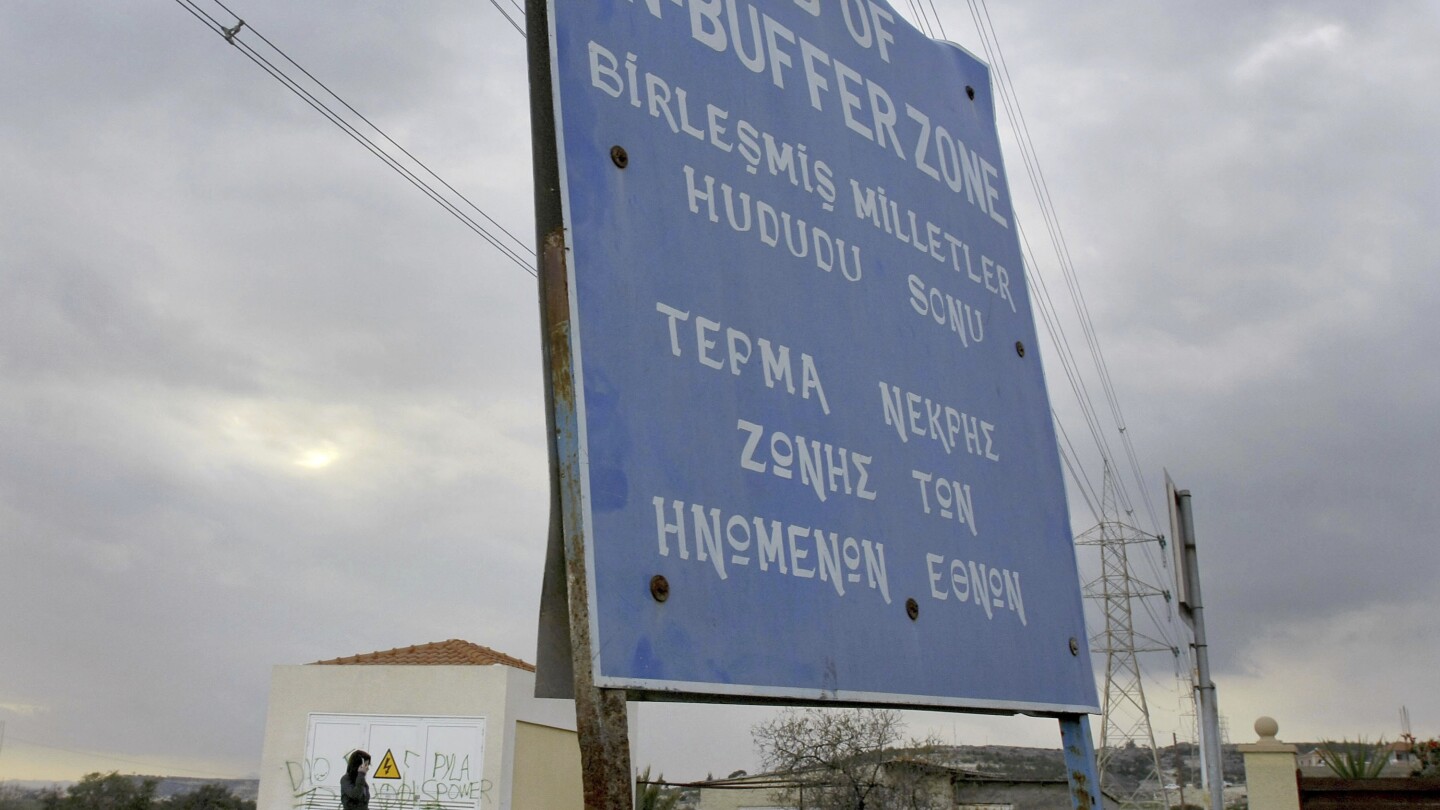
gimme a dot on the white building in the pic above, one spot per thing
(449, 726)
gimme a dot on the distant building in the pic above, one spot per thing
(951, 788)
(1399, 760)
(449, 726)
(1310, 759)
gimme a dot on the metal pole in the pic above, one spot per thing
(1209, 709)
(599, 713)
(1080, 762)
(1179, 772)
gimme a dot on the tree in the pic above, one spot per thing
(13, 798)
(113, 791)
(1357, 760)
(840, 759)
(209, 797)
(1426, 754)
(104, 792)
(651, 795)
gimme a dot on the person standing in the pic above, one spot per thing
(354, 790)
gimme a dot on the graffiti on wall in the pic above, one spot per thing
(417, 763)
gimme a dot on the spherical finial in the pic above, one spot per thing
(1267, 728)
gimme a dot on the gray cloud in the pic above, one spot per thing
(205, 288)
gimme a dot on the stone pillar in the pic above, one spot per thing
(1270, 770)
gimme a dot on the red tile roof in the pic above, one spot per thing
(452, 652)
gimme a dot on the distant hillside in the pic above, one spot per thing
(165, 786)
(1127, 769)
(168, 786)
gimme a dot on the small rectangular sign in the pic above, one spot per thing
(815, 450)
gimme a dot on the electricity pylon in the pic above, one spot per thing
(1126, 716)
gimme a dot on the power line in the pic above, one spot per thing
(513, 24)
(1044, 302)
(924, 20)
(350, 130)
(938, 21)
(1020, 129)
(1067, 264)
(1049, 317)
(523, 246)
(232, 36)
(1082, 480)
(1046, 308)
(1066, 261)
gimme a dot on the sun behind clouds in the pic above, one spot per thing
(317, 458)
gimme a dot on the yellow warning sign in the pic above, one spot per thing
(387, 769)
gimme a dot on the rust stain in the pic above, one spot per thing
(599, 713)
(1080, 790)
(556, 286)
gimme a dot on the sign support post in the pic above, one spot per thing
(565, 648)
(1194, 611)
(1080, 767)
(600, 714)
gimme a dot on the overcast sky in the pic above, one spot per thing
(262, 402)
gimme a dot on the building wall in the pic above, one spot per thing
(547, 769)
(1402, 793)
(1018, 795)
(742, 799)
(500, 694)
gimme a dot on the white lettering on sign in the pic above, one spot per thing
(951, 498)
(682, 115)
(739, 349)
(993, 589)
(913, 415)
(958, 167)
(928, 238)
(771, 225)
(785, 549)
(824, 467)
(860, 24)
(948, 312)
(769, 49)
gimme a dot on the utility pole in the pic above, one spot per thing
(1179, 767)
(1192, 609)
(1125, 714)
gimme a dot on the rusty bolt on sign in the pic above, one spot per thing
(659, 588)
(1074, 646)
(912, 609)
(1020, 348)
(619, 156)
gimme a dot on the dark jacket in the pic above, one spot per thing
(354, 792)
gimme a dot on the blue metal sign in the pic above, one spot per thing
(815, 450)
